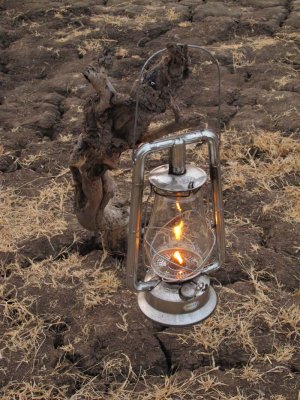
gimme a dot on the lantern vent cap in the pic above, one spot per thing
(190, 181)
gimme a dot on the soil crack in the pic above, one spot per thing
(289, 8)
(167, 354)
(191, 13)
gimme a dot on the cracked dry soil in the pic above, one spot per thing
(70, 328)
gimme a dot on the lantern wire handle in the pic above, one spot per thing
(140, 80)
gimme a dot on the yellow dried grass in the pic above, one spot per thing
(280, 157)
(100, 288)
(264, 163)
(24, 217)
(237, 323)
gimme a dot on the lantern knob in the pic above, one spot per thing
(189, 290)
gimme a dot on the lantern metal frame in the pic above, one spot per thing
(135, 219)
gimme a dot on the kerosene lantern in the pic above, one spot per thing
(183, 240)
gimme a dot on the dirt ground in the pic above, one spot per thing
(70, 328)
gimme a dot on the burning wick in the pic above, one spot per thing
(177, 257)
(178, 264)
(178, 230)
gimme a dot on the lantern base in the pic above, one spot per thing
(179, 304)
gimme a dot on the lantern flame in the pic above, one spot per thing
(178, 207)
(178, 230)
(177, 256)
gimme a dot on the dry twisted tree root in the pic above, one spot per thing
(109, 121)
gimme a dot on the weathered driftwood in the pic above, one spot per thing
(109, 121)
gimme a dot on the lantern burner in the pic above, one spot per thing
(172, 267)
